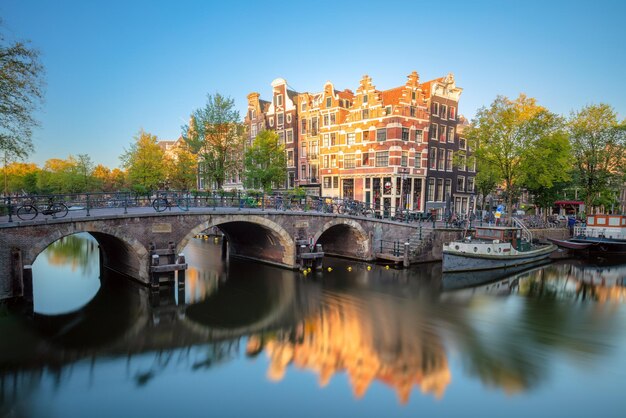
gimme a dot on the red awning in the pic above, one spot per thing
(569, 202)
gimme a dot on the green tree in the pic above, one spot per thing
(598, 142)
(265, 161)
(215, 135)
(508, 136)
(21, 93)
(144, 163)
(182, 168)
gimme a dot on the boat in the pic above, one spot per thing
(494, 247)
(602, 235)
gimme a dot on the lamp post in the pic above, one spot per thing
(403, 171)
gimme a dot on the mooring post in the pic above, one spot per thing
(181, 272)
(318, 260)
(405, 261)
(154, 276)
(27, 287)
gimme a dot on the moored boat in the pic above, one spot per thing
(494, 247)
(602, 235)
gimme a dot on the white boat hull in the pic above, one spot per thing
(459, 260)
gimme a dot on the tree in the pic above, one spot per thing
(598, 142)
(265, 161)
(144, 163)
(508, 136)
(21, 92)
(215, 135)
(182, 168)
(21, 177)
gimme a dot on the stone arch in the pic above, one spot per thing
(278, 235)
(134, 260)
(358, 244)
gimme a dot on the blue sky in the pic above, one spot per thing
(115, 67)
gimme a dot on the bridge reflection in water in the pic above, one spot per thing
(372, 326)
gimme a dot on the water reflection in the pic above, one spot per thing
(396, 331)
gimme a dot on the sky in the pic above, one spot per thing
(115, 67)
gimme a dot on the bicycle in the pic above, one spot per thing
(161, 203)
(30, 211)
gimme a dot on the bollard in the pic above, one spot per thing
(405, 261)
(154, 277)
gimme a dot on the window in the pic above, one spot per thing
(449, 160)
(303, 172)
(460, 184)
(325, 140)
(329, 102)
(253, 131)
(472, 164)
(328, 182)
(434, 129)
(440, 196)
(365, 114)
(333, 139)
(447, 188)
(289, 133)
(405, 159)
(433, 158)
(335, 182)
(252, 114)
(418, 160)
(470, 184)
(314, 126)
(333, 161)
(281, 137)
(462, 162)
(303, 152)
(444, 111)
(452, 113)
(462, 143)
(290, 158)
(303, 127)
(451, 135)
(382, 159)
(431, 190)
(325, 161)
(349, 161)
(387, 110)
(333, 119)
(289, 118)
(366, 136)
(440, 159)
(303, 106)
(419, 135)
(413, 94)
(413, 111)
(271, 121)
(350, 139)
(313, 149)
(365, 98)
(435, 109)
(443, 129)
(381, 134)
(365, 159)
(279, 100)
(405, 134)
(326, 120)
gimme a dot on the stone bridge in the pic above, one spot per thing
(125, 240)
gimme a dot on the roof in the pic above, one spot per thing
(392, 96)
(427, 85)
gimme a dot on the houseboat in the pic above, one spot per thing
(602, 235)
(494, 247)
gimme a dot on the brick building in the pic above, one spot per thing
(393, 149)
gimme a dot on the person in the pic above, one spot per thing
(571, 221)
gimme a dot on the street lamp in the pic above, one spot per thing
(403, 171)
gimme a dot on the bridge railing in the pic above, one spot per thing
(89, 204)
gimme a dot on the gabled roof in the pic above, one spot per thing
(392, 96)
(427, 86)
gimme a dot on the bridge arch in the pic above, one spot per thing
(251, 236)
(122, 254)
(345, 237)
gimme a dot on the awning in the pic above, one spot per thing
(569, 202)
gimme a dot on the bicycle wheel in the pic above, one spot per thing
(159, 204)
(183, 204)
(59, 210)
(26, 213)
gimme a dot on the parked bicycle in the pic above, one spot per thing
(163, 202)
(30, 211)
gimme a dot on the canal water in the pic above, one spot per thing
(360, 340)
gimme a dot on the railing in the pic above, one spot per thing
(526, 234)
